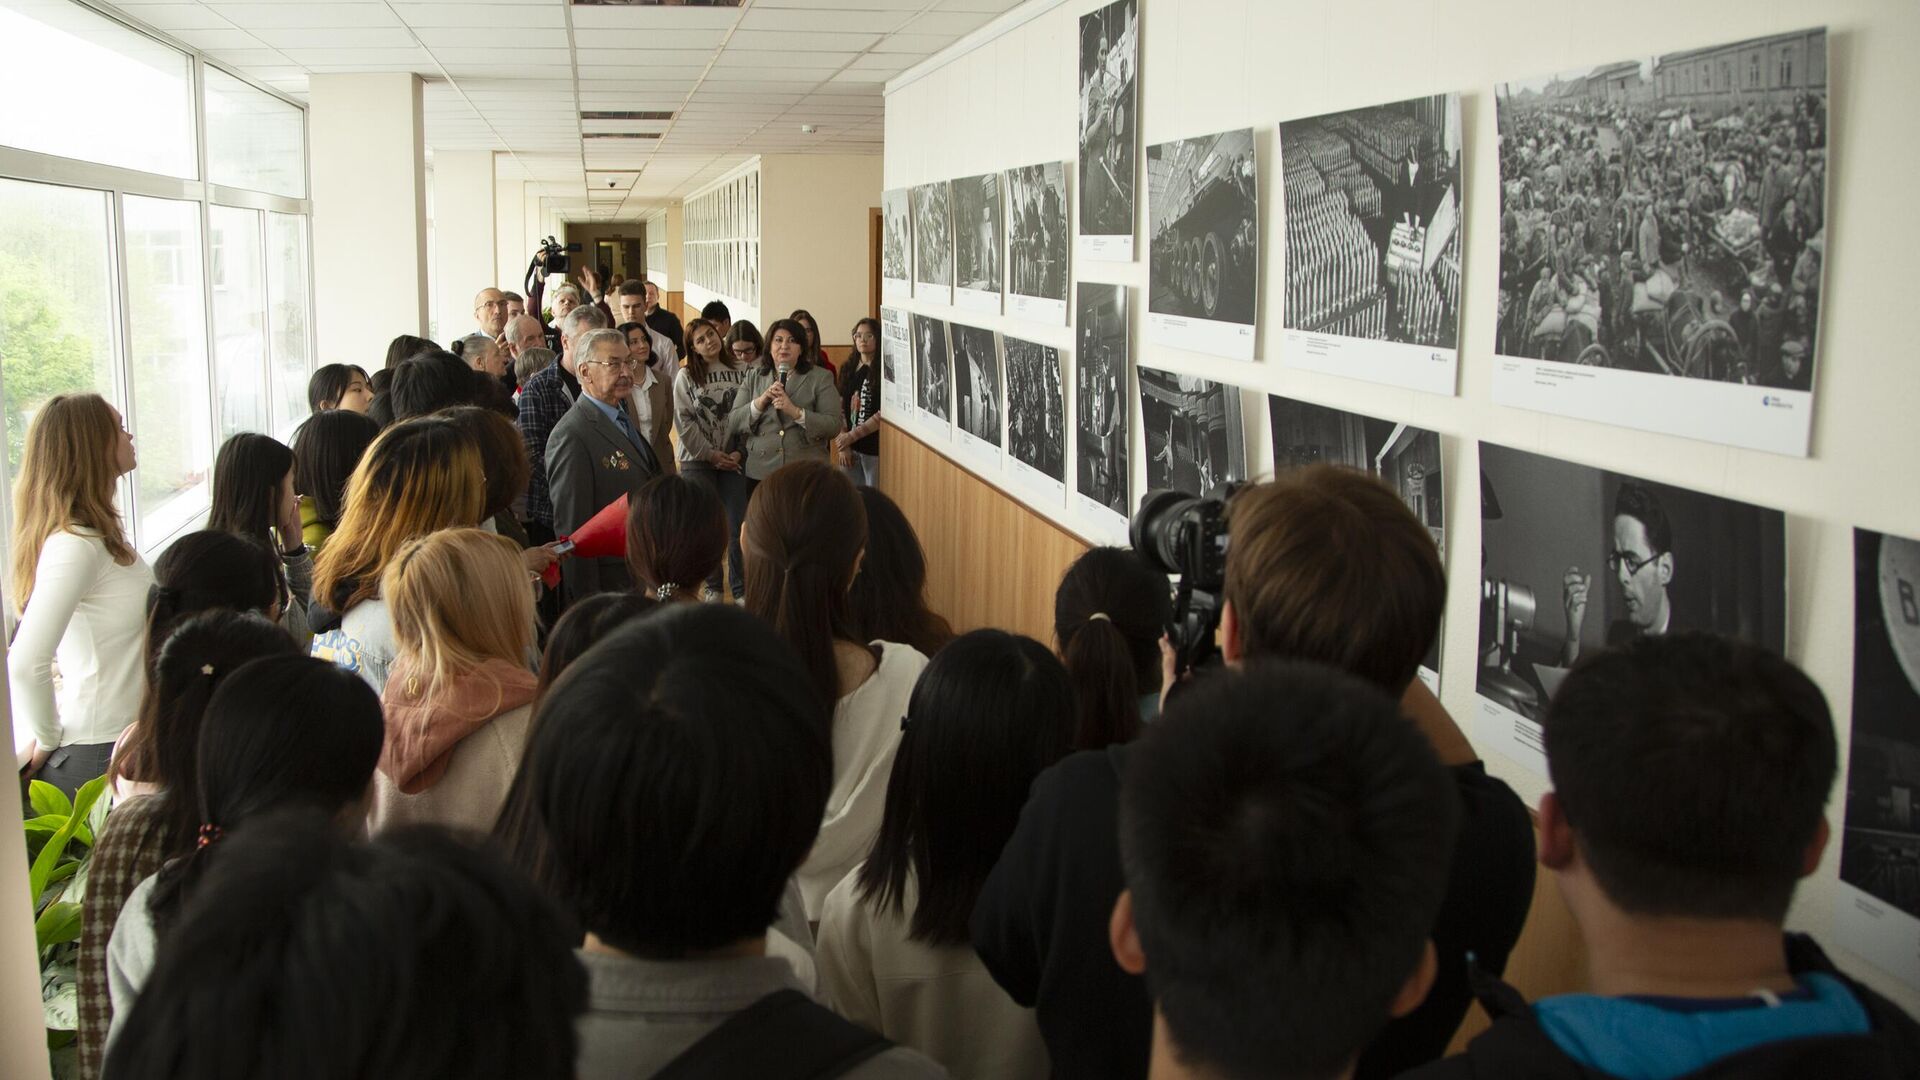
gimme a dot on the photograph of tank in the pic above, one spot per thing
(1373, 222)
(1193, 428)
(1880, 848)
(896, 244)
(930, 376)
(1405, 457)
(1577, 559)
(976, 382)
(896, 359)
(1109, 105)
(1667, 214)
(1101, 362)
(978, 232)
(1204, 264)
(1036, 407)
(1037, 241)
(933, 242)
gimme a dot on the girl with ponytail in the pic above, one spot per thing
(1108, 615)
(804, 538)
(281, 732)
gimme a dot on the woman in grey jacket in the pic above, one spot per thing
(793, 409)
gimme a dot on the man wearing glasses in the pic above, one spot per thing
(603, 448)
(1641, 561)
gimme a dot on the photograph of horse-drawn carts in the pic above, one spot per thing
(1667, 214)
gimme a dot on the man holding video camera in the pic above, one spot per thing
(1326, 565)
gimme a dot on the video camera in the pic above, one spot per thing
(557, 261)
(1186, 535)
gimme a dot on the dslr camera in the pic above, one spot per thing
(1186, 536)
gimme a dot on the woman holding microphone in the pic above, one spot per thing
(793, 409)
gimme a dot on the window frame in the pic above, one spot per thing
(119, 182)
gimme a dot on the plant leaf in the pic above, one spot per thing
(57, 925)
(88, 794)
(47, 799)
(49, 857)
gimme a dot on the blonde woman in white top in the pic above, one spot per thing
(80, 589)
(805, 534)
(989, 714)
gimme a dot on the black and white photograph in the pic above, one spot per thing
(1109, 130)
(1036, 413)
(1879, 915)
(1204, 264)
(979, 231)
(896, 361)
(1037, 242)
(1373, 239)
(976, 384)
(933, 243)
(1663, 228)
(1405, 457)
(931, 379)
(1193, 432)
(896, 245)
(1577, 559)
(1102, 436)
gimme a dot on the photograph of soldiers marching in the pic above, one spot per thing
(1193, 428)
(1100, 396)
(1667, 214)
(976, 382)
(1373, 222)
(1109, 66)
(1037, 232)
(896, 246)
(1036, 407)
(977, 232)
(1203, 205)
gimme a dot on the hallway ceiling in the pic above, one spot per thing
(515, 76)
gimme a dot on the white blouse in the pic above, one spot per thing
(88, 614)
(866, 732)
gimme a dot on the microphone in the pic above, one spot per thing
(784, 369)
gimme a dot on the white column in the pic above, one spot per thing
(463, 253)
(676, 252)
(369, 214)
(509, 235)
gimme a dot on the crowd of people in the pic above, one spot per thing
(389, 803)
(1649, 237)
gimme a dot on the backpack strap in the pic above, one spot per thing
(783, 1036)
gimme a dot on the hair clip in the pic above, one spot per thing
(1099, 615)
(904, 721)
(206, 669)
(209, 833)
(665, 591)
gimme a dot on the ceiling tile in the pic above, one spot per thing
(219, 40)
(760, 17)
(662, 19)
(443, 15)
(179, 17)
(249, 59)
(388, 38)
(592, 38)
(387, 58)
(948, 22)
(492, 37)
(307, 16)
(775, 61)
(502, 59)
(924, 44)
(802, 41)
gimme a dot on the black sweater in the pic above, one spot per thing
(1040, 925)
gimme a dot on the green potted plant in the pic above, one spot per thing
(60, 838)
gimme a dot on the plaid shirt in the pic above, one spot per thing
(543, 401)
(127, 852)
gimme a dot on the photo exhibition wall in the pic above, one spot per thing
(1617, 300)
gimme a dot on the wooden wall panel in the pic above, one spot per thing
(990, 560)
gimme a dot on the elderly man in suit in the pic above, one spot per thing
(601, 449)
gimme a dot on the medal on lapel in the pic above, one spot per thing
(618, 460)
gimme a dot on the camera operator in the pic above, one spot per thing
(553, 259)
(1326, 565)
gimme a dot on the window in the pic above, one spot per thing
(167, 353)
(1753, 71)
(56, 300)
(77, 84)
(1786, 67)
(254, 140)
(239, 318)
(289, 320)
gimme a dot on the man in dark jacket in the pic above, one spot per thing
(1690, 778)
(1309, 556)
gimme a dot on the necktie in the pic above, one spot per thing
(626, 427)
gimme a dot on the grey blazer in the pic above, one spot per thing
(771, 439)
(590, 464)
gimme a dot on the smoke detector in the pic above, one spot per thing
(808, 129)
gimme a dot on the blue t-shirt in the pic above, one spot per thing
(1647, 1038)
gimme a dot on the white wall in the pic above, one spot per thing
(509, 233)
(813, 237)
(1209, 65)
(368, 164)
(463, 248)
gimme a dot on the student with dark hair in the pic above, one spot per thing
(1286, 837)
(1109, 614)
(253, 496)
(718, 735)
(804, 536)
(430, 381)
(305, 957)
(858, 447)
(814, 353)
(327, 446)
(206, 570)
(397, 350)
(676, 538)
(792, 411)
(280, 733)
(888, 600)
(156, 770)
(1690, 780)
(1326, 565)
(503, 458)
(988, 714)
(339, 386)
(716, 313)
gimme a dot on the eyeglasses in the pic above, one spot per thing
(745, 350)
(617, 365)
(1617, 559)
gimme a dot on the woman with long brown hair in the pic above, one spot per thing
(418, 477)
(857, 449)
(814, 352)
(676, 538)
(706, 391)
(80, 589)
(805, 534)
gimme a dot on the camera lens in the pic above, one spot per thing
(1156, 529)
